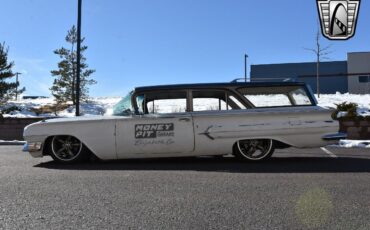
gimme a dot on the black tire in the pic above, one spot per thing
(254, 150)
(68, 149)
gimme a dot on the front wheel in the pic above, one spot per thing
(68, 149)
(254, 150)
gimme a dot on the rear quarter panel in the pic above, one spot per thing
(301, 127)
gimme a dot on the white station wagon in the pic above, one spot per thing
(248, 120)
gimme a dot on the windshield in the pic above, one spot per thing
(124, 107)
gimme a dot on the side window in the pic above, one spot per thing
(167, 102)
(208, 104)
(140, 104)
(207, 100)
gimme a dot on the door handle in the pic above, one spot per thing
(184, 119)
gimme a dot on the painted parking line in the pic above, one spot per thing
(329, 152)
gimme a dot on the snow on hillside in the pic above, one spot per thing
(329, 100)
(104, 105)
(363, 101)
(96, 106)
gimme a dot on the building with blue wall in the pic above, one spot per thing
(306, 72)
(335, 76)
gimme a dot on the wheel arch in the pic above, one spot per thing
(278, 144)
(47, 144)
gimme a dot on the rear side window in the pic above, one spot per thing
(208, 104)
(210, 100)
(279, 96)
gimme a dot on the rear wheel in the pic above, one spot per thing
(254, 150)
(68, 149)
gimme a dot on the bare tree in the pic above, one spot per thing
(321, 54)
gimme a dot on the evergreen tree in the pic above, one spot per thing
(7, 89)
(63, 88)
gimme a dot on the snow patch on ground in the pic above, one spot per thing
(353, 144)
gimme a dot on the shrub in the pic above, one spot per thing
(10, 109)
(350, 110)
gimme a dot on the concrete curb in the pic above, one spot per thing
(12, 143)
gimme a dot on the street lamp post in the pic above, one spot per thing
(78, 66)
(245, 67)
(16, 86)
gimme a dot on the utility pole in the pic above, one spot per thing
(16, 87)
(245, 67)
(78, 58)
(318, 72)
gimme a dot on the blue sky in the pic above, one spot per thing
(147, 42)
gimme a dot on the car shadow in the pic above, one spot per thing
(229, 164)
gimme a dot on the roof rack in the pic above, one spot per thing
(265, 79)
(236, 80)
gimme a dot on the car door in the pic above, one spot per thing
(152, 135)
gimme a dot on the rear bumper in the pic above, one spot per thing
(334, 136)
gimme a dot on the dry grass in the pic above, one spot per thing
(50, 109)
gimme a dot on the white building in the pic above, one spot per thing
(358, 65)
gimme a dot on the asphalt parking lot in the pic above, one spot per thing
(296, 189)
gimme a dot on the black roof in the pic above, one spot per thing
(216, 85)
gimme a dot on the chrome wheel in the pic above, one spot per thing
(255, 150)
(66, 148)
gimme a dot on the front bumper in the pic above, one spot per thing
(34, 148)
